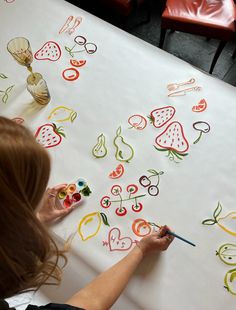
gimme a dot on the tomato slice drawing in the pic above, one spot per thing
(118, 172)
(70, 74)
(200, 107)
(141, 227)
(77, 63)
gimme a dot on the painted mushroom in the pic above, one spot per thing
(202, 127)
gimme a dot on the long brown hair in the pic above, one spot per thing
(28, 255)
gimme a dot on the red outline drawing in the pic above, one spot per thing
(200, 107)
(116, 243)
(173, 141)
(118, 172)
(49, 135)
(159, 117)
(18, 120)
(77, 63)
(137, 121)
(49, 51)
(71, 77)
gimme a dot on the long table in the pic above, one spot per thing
(176, 145)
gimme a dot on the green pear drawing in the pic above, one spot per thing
(124, 151)
(100, 150)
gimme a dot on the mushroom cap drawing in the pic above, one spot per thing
(202, 126)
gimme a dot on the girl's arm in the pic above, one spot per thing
(104, 290)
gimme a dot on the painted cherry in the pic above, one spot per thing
(153, 190)
(144, 181)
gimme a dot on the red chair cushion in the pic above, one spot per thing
(210, 18)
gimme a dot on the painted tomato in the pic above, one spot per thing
(105, 202)
(132, 188)
(121, 211)
(77, 63)
(116, 190)
(138, 207)
(70, 74)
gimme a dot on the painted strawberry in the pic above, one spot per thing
(159, 117)
(49, 51)
(49, 135)
(173, 141)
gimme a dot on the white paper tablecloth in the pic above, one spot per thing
(127, 76)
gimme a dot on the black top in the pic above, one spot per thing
(4, 306)
(53, 307)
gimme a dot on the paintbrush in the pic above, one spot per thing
(173, 234)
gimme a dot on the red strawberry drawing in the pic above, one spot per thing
(49, 51)
(159, 117)
(48, 135)
(173, 141)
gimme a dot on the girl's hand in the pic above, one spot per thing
(157, 241)
(47, 212)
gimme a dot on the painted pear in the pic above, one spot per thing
(100, 150)
(124, 151)
(230, 281)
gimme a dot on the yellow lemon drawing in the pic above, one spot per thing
(62, 114)
(228, 223)
(89, 226)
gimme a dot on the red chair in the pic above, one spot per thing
(209, 18)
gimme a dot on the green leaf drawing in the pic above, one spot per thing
(161, 150)
(120, 154)
(217, 211)
(3, 76)
(208, 222)
(118, 131)
(153, 171)
(73, 117)
(104, 219)
(5, 98)
(9, 89)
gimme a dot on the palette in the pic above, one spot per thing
(73, 194)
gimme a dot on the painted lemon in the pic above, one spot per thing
(62, 114)
(89, 226)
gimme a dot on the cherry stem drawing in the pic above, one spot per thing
(127, 199)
